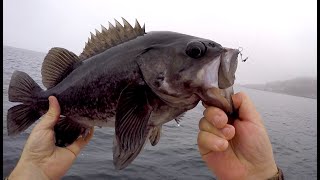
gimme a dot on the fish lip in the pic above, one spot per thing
(227, 94)
(219, 79)
(220, 98)
(228, 67)
(211, 93)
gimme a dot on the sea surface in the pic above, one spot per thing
(291, 123)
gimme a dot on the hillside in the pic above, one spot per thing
(302, 86)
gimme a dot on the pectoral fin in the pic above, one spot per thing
(155, 135)
(131, 126)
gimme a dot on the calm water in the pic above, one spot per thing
(291, 122)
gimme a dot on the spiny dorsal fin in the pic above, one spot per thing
(57, 64)
(113, 36)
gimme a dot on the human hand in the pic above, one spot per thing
(40, 158)
(239, 151)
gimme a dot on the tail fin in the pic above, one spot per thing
(23, 89)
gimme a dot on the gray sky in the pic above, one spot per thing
(279, 36)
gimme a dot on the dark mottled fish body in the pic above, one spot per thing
(134, 82)
(90, 92)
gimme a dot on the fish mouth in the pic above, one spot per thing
(219, 77)
(228, 67)
(221, 98)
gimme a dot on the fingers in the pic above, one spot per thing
(51, 117)
(216, 116)
(227, 132)
(247, 110)
(215, 121)
(80, 143)
(214, 131)
(208, 142)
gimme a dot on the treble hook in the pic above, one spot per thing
(243, 60)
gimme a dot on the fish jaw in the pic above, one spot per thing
(220, 98)
(228, 67)
(218, 79)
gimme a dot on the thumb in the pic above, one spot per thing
(247, 110)
(51, 117)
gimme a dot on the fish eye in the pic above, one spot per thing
(195, 49)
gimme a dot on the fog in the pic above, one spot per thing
(278, 36)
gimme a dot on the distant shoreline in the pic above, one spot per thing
(279, 92)
(8, 46)
(301, 87)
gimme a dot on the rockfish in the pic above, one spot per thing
(127, 79)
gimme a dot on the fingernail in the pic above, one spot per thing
(225, 131)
